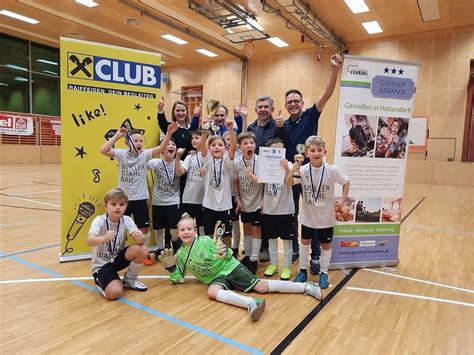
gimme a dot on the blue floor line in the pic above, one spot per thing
(146, 309)
(29, 250)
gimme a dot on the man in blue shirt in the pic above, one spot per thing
(298, 127)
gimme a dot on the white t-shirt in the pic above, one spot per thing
(251, 193)
(317, 210)
(278, 198)
(217, 182)
(132, 173)
(103, 253)
(166, 186)
(194, 189)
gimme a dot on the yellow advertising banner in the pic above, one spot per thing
(103, 88)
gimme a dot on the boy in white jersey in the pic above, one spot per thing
(212, 263)
(277, 218)
(107, 235)
(218, 169)
(132, 172)
(317, 216)
(193, 193)
(249, 196)
(165, 201)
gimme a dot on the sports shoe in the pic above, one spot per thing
(148, 261)
(285, 273)
(252, 266)
(134, 284)
(235, 252)
(301, 277)
(256, 308)
(295, 256)
(315, 268)
(311, 289)
(157, 254)
(264, 256)
(271, 270)
(245, 261)
(323, 280)
(101, 291)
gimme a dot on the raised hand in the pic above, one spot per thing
(229, 124)
(173, 127)
(197, 111)
(221, 249)
(121, 132)
(337, 60)
(243, 110)
(180, 152)
(279, 120)
(161, 104)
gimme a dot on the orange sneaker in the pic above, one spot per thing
(148, 261)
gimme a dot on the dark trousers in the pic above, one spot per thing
(315, 247)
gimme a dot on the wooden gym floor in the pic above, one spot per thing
(424, 306)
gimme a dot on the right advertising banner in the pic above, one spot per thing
(373, 121)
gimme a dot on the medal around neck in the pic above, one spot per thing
(299, 158)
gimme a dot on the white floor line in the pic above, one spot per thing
(439, 229)
(389, 268)
(29, 200)
(35, 193)
(419, 280)
(84, 278)
(410, 295)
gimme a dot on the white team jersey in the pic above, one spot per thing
(132, 173)
(278, 198)
(166, 186)
(317, 210)
(194, 189)
(217, 182)
(103, 253)
(251, 193)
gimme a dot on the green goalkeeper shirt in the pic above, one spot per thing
(200, 259)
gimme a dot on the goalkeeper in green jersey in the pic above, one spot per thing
(212, 263)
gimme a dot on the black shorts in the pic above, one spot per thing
(165, 216)
(323, 235)
(274, 226)
(254, 218)
(139, 210)
(240, 279)
(211, 217)
(194, 210)
(109, 272)
(234, 216)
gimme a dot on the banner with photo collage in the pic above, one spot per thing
(103, 88)
(375, 107)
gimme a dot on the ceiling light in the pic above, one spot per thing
(19, 17)
(174, 39)
(254, 23)
(3, 84)
(372, 27)
(11, 66)
(357, 6)
(46, 61)
(88, 3)
(278, 42)
(19, 78)
(206, 52)
(429, 10)
(50, 72)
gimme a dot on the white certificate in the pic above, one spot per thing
(269, 169)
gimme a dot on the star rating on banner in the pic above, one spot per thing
(393, 70)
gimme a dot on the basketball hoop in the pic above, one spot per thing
(249, 47)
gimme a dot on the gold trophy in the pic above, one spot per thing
(212, 106)
(299, 158)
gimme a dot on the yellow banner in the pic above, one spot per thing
(102, 88)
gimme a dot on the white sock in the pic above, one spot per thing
(285, 286)
(248, 245)
(174, 235)
(287, 252)
(273, 250)
(325, 260)
(160, 238)
(304, 254)
(133, 270)
(256, 244)
(236, 234)
(201, 230)
(233, 298)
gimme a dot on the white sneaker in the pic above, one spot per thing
(256, 309)
(134, 284)
(101, 291)
(312, 289)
